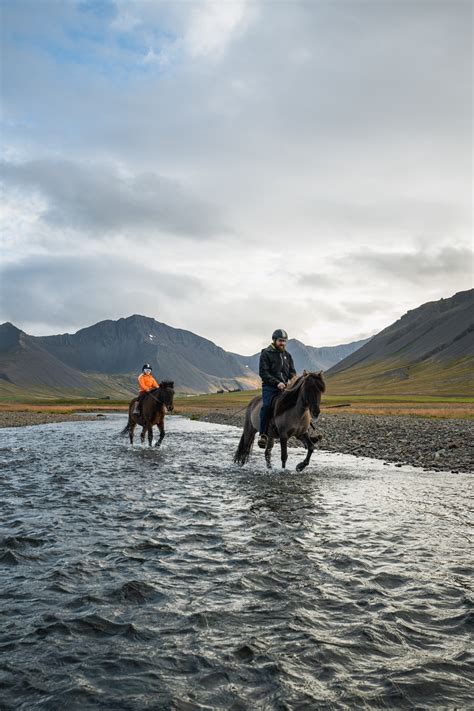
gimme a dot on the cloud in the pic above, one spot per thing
(415, 267)
(214, 25)
(316, 280)
(53, 293)
(322, 140)
(100, 199)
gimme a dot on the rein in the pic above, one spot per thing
(160, 402)
(237, 413)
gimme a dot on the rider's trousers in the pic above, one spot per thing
(268, 393)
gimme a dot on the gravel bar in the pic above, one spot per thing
(25, 419)
(434, 444)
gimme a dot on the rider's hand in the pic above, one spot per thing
(281, 386)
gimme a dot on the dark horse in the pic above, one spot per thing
(155, 404)
(291, 418)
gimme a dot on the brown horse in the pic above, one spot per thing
(291, 418)
(155, 404)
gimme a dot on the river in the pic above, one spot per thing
(137, 578)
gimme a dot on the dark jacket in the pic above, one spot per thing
(275, 367)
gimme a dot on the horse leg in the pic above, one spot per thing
(149, 429)
(308, 443)
(284, 450)
(142, 435)
(161, 427)
(131, 431)
(268, 452)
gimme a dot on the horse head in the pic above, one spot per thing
(313, 387)
(167, 394)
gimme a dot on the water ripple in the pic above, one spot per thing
(170, 579)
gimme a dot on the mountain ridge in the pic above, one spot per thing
(311, 358)
(436, 337)
(105, 358)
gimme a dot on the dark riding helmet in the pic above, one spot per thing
(147, 366)
(279, 333)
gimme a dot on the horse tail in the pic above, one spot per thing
(242, 454)
(126, 429)
(128, 426)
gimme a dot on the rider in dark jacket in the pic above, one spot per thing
(276, 369)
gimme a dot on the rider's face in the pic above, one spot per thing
(280, 343)
(147, 371)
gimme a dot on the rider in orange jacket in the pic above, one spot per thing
(146, 382)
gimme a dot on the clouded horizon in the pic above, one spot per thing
(234, 167)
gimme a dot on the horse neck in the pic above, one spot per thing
(304, 401)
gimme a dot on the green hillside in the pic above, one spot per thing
(399, 377)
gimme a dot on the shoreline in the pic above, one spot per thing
(432, 444)
(428, 443)
(24, 418)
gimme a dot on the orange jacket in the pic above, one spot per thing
(147, 382)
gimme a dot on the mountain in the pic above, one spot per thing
(309, 357)
(429, 350)
(106, 358)
(27, 367)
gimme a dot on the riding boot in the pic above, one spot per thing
(136, 408)
(263, 438)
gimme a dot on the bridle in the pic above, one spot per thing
(169, 408)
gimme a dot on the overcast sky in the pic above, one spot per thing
(235, 167)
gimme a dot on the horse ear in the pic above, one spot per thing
(305, 372)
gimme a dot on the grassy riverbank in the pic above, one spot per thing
(231, 402)
(229, 405)
(418, 406)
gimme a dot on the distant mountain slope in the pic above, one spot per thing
(27, 367)
(194, 363)
(107, 357)
(429, 349)
(309, 357)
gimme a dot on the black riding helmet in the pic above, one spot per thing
(147, 366)
(279, 333)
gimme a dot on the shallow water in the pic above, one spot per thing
(170, 579)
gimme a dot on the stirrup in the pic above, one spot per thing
(263, 441)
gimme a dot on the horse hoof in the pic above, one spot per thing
(300, 467)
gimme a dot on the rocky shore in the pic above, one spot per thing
(25, 419)
(435, 444)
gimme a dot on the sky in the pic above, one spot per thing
(232, 167)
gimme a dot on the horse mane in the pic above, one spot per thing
(289, 397)
(167, 384)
